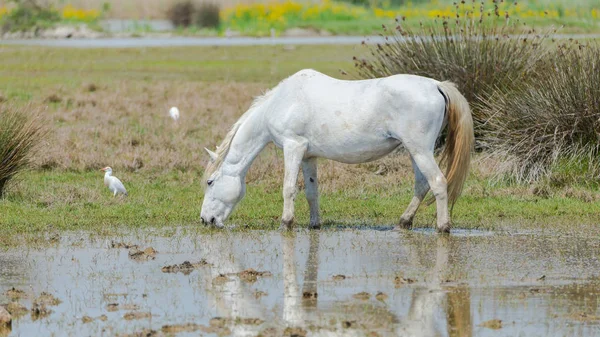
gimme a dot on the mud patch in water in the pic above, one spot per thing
(185, 268)
(16, 309)
(251, 275)
(142, 255)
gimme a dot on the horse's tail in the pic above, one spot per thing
(459, 142)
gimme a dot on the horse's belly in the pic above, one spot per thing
(353, 152)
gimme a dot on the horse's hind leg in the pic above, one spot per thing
(309, 169)
(437, 182)
(293, 152)
(421, 189)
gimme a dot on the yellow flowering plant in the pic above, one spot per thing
(71, 13)
(262, 18)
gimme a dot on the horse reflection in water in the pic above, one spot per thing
(233, 298)
(435, 309)
(352, 318)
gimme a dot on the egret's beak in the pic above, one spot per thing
(103, 169)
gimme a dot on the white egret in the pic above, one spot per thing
(174, 113)
(113, 183)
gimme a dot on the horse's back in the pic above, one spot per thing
(352, 121)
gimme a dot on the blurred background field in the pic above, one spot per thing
(264, 18)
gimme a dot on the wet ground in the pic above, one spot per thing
(327, 283)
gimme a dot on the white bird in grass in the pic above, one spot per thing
(113, 183)
(174, 113)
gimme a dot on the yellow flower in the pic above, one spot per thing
(71, 13)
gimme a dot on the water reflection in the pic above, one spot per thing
(422, 319)
(460, 282)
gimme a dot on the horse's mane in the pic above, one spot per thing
(223, 149)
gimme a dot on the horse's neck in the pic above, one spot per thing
(248, 142)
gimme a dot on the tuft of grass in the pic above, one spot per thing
(476, 51)
(550, 128)
(19, 135)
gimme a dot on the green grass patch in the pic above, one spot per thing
(49, 200)
(25, 71)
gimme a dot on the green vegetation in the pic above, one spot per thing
(33, 16)
(109, 107)
(28, 15)
(260, 18)
(366, 17)
(55, 200)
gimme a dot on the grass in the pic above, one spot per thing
(43, 201)
(113, 111)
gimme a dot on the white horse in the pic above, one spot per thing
(312, 115)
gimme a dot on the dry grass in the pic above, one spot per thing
(127, 127)
(119, 117)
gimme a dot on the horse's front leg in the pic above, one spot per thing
(293, 152)
(311, 187)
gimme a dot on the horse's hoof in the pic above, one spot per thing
(444, 229)
(286, 225)
(316, 226)
(403, 224)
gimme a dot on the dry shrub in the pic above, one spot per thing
(20, 132)
(181, 14)
(551, 128)
(472, 49)
(207, 15)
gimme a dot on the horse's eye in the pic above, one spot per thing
(209, 182)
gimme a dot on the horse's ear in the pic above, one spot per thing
(213, 156)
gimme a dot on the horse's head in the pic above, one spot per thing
(222, 193)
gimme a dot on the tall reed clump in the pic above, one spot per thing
(186, 13)
(20, 133)
(480, 48)
(181, 14)
(208, 15)
(551, 128)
